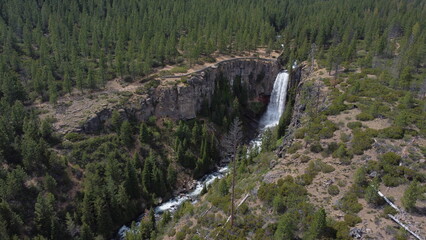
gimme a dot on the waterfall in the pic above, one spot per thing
(269, 119)
(277, 102)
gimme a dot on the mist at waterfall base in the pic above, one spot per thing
(269, 119)
(275, 109)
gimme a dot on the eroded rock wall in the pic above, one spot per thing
(184, 100)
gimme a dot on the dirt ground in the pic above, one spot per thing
(375, 225)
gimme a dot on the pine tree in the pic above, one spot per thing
(286, 227)
(119, 58)
(44, 213)
(144, 135)
(67, 85)
(406, 78)
(372, 197)
(171, 175)
(53, 92)
(131, 181)
(103, 217)
(126, 134)
(11, 220)
(79, 79)
(147, 173)
(410, 196)
(86, 232)
(116, 121)
(317, 226)
(360, 177)
(91, 79)
(87, 210)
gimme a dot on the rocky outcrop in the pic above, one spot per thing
(185, 100)
(302, 94)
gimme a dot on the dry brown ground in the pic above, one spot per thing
(373, 221)
(372, 218)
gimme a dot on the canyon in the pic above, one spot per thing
(178, 98)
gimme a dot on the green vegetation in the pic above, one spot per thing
(362, 140)
(333, 190)
(86, 186)
(354, 125)
(411, 195)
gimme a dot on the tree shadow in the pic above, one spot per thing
(419, 211)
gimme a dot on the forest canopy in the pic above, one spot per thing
(48, 48)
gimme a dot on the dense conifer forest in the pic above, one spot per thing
(82, 186)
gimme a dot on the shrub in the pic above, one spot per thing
(390, 158)
(316, 147)
(353, 125)
(352, 219)
(223, 187)
(267, 192)
(179, 69)
(300, 133)
(337, 106)
(333, 190)
(410, 196)
(372, 197)
(74, 137)
(278, 204)
(345, 137)
(343, 154)
(294, 147)
(389, 210)
(349, 203)
(181, 235)
(360, 178)
(392, 181)
(305, 159)
(342, 230)
(393, 132)
(331, 147)
(209, 59)
(305, 179)
(364, 117)
(352, 98)
(326, 168)
(361, 141)
(243, 209)
(327, 130)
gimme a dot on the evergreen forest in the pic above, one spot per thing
(86, 186)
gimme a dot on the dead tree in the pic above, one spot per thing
(230, 144)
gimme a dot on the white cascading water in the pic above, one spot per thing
(269, 119)
(276, 102)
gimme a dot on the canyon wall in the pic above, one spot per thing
(184, 100)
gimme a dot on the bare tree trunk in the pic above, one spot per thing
(230, 144)
(233, 189)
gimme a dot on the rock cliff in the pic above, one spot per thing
(184, 100)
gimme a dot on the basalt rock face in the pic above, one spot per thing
(185, 100)
(304, 94)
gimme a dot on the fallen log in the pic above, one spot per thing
(405, 227)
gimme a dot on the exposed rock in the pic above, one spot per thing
(373, 174)
(356, 233)
(327, 182)
(184, 101)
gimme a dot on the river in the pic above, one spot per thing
(269, 119)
